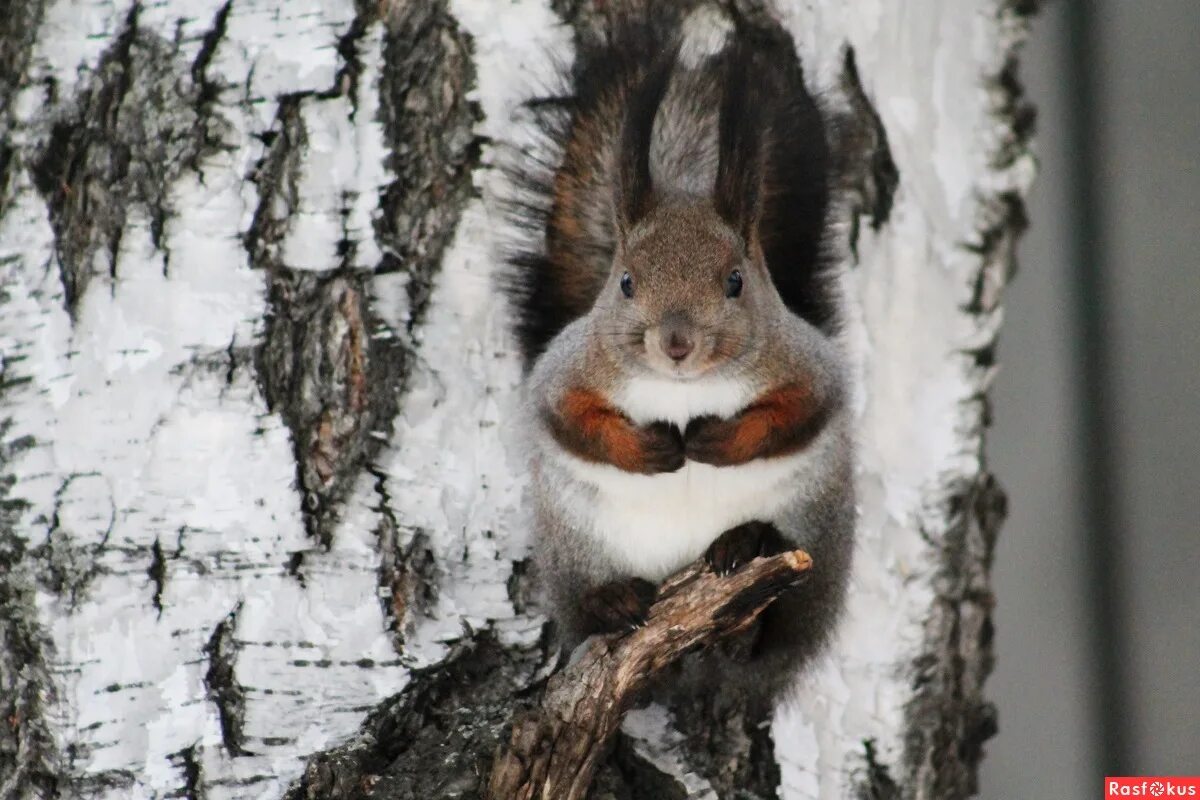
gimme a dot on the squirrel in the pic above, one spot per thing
(685, 389)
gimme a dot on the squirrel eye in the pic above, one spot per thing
(627, 285)
(733, 284)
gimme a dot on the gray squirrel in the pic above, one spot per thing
(686, 394)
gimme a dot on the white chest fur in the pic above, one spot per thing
(652, 525)
(649, 399)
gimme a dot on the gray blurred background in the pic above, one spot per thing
(1097, 433)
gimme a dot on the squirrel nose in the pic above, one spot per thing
(678, 346)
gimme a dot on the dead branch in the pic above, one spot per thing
(555, 748)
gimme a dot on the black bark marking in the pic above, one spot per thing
(29, 758)
(331, 379)
(312, 363)
(276, 176)
(118, 782)
(345, 82)
(519, 586)
(635, 778)
(67, 567)
(429, 124)
(867, 172)
(120, 144)
(157, 572)
(729, 744)
(948, 718)
(409, 577)
(19, 25)
(319, 366)
(207, 91)
(1004, 220)
(876, 782)
(1024, 8)
(221, 681)
(188, 762)
(8, 155)
(408, 574)
(1011, 104)
(1003, 216)
(295, 567)
(328, 364)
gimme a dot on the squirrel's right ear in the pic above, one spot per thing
(738, 193)
(633, 187)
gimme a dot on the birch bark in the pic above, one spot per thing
(261, 524)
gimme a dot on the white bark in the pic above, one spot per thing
(189, 630)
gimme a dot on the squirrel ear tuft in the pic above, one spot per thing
(737, 194)
(633, 187)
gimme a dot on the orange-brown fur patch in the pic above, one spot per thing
(777, 424)
(605, 435)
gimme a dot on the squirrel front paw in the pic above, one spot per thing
(662, 447)
(706, 440)
(738, 546)
(618, 606)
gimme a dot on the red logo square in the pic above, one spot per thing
(1166, 786)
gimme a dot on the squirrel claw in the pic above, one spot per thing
(742, 544)
(619, 605)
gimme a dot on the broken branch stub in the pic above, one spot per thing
(555, 748)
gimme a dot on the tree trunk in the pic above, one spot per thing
(261, 524)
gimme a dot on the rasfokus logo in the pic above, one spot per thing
(1155, 786)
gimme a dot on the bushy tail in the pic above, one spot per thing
(566, 196)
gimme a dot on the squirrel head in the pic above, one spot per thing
(687, 294)
(689, 290)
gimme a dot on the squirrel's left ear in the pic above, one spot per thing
(738, 191)
(634, 191)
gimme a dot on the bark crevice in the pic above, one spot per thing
(224, 690)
